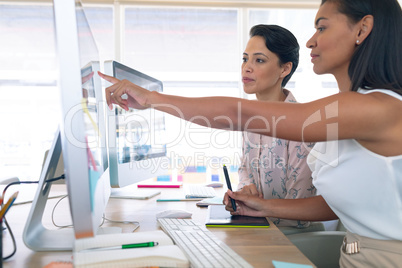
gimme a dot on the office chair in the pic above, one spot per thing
(321, 248)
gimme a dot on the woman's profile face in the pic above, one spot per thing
(334, 41)
(261, 71)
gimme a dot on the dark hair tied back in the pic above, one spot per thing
(281, 42)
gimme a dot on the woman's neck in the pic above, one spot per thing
(344, 86)
(343, 81)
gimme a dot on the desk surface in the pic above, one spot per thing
(258, 246)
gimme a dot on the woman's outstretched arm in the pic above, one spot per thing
(369, 118)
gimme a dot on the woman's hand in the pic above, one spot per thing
(248, 200)
(125, 94)
(250, 189)
(248, 205)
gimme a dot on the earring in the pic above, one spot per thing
(357, 41)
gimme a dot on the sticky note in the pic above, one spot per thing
(201, 169)
(164, 178)
(214, 177)
(281, 264)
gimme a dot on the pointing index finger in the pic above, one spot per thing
(108, 91)
(108, 78)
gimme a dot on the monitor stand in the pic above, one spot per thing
(36, 236)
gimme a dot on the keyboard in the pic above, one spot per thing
(198, 191)
(201, 246)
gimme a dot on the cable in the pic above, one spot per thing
(135, 223)
(12, 238)
(61, 177)
(4, 219)
(54, 208)
(29, 182)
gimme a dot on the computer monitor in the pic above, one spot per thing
(96, 95)
(81, 138)
(136, 138)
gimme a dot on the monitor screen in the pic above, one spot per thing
(93, 93)
(137, 149)
(81, 138)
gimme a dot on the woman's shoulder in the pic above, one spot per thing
(381, 100)
(368, 98)
(383, 91)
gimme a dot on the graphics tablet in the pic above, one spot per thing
(218, 216)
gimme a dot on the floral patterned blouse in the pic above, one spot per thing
(277, 167)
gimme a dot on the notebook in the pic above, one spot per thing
(165, 254)
(218, 216)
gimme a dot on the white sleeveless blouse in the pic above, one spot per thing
(364, 189)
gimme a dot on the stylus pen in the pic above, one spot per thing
(225, 171)
(126, 246)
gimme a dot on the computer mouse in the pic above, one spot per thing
(174, 213)
(214, 184)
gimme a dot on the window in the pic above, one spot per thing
(195, 52)
(29, 109)
(304, 84)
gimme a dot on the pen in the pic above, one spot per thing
(7, 206)
(126, 246)
(225, 171)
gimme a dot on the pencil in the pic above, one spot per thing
(7, 206)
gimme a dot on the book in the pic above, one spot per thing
(165, 254)
(218, 216)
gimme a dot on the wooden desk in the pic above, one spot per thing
(257, 246)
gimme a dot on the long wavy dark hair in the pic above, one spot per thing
(377, 61)
(281, 42)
